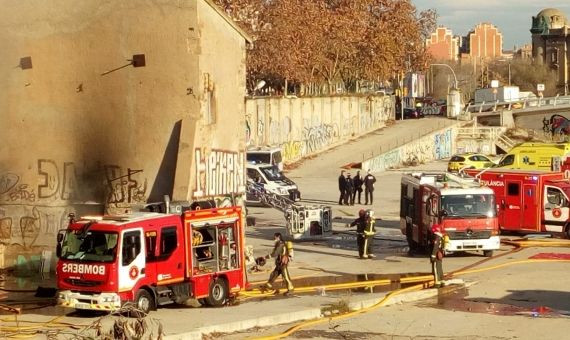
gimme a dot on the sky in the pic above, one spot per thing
(512, 17)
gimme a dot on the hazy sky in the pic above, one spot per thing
(512, 17)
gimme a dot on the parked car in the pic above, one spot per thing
(409, 114)
(469, 161)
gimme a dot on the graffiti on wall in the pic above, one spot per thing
(442, 144)
(383, 162)
(319, 136)
(219, 173)
(417, 152)
(316, 123)
(427, 148)
(124, 186)
(279, 130)
(32, 225)
(34, 208)
(292, 150)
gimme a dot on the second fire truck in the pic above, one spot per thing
(465, 210)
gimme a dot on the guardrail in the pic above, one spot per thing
(517, 104)
(480, 132)
(399, 141)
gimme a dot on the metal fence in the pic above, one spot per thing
(399, 141)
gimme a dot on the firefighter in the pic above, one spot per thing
(437, 255)
(364, 233)
(282, 253)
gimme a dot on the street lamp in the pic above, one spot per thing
(452, 71)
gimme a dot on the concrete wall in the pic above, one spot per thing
(74, 139)
(304, 126)
(437, 145)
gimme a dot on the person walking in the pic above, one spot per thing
(341, 187)
(364, 234)
(282, 257)
(369, 181)
(349, 197)
(436, 256)
(357, 180)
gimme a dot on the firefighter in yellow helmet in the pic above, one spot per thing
(282, 254)
(365, 231)
(436, 257)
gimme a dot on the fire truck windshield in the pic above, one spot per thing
(96, 246)
(468, 206)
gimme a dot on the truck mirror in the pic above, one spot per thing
(58, 249)
(59, 238)
(443, 213)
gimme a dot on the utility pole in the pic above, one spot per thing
(509, 73)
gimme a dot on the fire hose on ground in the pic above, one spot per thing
(31, 328)
(427, 282)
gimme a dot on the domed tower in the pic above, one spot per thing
(550, 40)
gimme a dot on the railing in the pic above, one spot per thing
(506, 141)
(517, 104)
(480, 132)
(495, 134)
(399, 141)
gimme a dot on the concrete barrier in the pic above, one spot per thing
(439, 144)
(305, 126)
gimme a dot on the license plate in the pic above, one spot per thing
(469, 243)
(81, 305)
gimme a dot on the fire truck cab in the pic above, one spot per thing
(465, 210)
(530, 201)
(151, 259)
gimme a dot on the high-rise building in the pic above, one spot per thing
(442, 45)
(484, 42)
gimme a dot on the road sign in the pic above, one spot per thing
(540, 87)
(494, 83)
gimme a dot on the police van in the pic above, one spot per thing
(266, 155)
(272, 180)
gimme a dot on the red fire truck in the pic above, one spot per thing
(151, 259)
(530, 201)
(465, 210)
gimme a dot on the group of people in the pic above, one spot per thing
(350, 186)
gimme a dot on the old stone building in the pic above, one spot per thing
(113, 104)
(442, 45)
(550, 40)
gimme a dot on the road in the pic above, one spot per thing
(497, 304)
(334, 260)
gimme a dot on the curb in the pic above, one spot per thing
(302, 315)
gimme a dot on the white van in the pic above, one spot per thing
(272, 180)
(265, 155)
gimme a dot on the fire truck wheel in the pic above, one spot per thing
(413, 245)
(488, 253)
(218, 293)
(144, 301)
